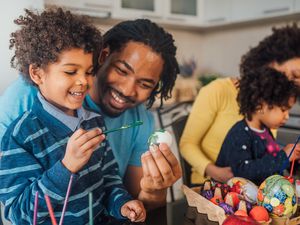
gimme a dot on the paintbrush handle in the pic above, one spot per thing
(137, 123)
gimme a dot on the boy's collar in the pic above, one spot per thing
(70, 121)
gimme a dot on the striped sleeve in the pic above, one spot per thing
(115, 193)
(22, 176)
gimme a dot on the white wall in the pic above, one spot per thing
(10, 10)
(220, 50)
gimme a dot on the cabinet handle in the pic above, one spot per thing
(283, 9)
(92, 5)
(176, 19)
(151, 17)
(220, 19)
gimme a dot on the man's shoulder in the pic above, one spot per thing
(21, 127)
(17, 98)
(136, 113)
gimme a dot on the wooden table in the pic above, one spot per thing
(154, 217)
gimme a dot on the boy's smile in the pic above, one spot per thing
(65, 83)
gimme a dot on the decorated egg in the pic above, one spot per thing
(245, 187)
(278, 196)
(160, 136)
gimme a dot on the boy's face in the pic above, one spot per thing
(65, 83)
(131, 76)
(277, 116)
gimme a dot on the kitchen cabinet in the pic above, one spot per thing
(247, 10)
(94, 8)
(132, 9)
(184, 12)
(296, 5)
(216, 11)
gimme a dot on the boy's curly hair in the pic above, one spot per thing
(283, 44)
(43, 37)
(264, 85)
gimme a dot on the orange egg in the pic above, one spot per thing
(259, 213)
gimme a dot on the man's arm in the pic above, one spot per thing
(160, 169)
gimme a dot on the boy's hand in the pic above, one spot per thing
(80, 147)
(134, 210)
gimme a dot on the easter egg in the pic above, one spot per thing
(245, 187)
(278, 196)
(160, 136)
(239, 220)
(259, 213)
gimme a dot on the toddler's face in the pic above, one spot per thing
(65, 83)
(276, 116)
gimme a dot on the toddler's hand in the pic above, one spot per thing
(80, 147)
(134, 210)
(296, 154)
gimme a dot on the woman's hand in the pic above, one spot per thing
(221, 174)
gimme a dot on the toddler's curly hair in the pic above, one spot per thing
(264, 85)
(43, 37)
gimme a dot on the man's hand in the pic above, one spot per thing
(161, 169)
(221, 174)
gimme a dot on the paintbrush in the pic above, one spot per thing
(136, 123)
(289, 156)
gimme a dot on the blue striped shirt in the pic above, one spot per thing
(32, 149)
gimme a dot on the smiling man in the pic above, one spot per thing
(137, 64)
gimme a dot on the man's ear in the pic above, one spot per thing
(103, 55)
(35, 73)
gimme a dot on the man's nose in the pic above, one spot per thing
(128, 88)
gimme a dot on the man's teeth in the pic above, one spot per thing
(117, 98)
(76, 93)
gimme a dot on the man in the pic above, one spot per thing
(137, 64)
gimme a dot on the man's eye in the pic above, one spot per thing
(120, 71)
(70, 72)
(146, 85)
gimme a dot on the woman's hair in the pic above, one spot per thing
(146, 32)
(282, 45)
(264, 85)
(43, 37)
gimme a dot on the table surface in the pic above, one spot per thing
(154, 217)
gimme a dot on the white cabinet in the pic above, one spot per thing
(184, 12)
(216, 11)
(296, 5)
(94, 8)
(244, 10)
(132, 9)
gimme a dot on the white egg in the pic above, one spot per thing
(160, 136)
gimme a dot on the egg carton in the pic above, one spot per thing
(216, 214)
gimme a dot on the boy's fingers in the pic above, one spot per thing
(88, 135)
(92, 143)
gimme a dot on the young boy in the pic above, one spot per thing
(58, 138)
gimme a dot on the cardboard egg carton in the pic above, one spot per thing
(217, 214)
